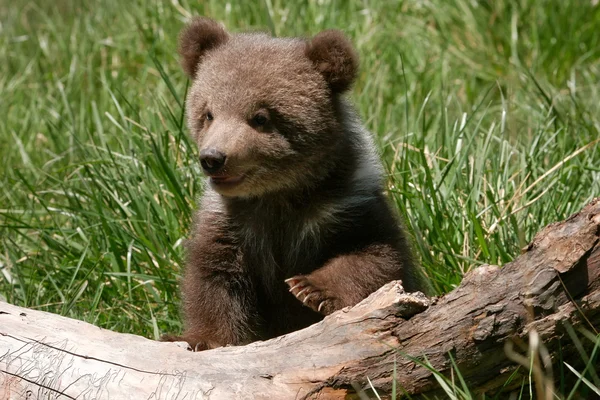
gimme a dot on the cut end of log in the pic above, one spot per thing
(390, 299)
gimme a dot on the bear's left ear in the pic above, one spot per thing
(335, 58)
(199, 37)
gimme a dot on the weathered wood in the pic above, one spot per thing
(555, 281)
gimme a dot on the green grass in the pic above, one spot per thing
(487, 114)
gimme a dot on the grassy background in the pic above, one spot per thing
(487, 114)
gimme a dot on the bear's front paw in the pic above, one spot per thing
(311, 295)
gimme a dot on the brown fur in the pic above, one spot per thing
(307, 205)
(201, 35)
(335, 58)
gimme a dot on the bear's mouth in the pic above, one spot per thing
(226, 181)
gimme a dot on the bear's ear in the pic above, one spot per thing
(196, 39)
(335, 58)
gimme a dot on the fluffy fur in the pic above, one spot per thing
(201, 35)
(294, 223)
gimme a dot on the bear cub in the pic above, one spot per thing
(294, 223)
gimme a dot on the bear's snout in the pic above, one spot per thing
(212, 160)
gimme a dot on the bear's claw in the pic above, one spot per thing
(310, 295)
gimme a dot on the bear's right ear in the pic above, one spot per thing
(196, 39)
(335, 58)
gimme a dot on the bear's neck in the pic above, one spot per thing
(291, 228)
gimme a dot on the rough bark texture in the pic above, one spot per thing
(554, 282)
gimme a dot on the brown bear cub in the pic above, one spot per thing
(294, 223)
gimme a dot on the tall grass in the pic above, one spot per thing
(487, 115)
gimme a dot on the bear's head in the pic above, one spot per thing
(265, 112)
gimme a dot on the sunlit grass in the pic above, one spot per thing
(487, 115)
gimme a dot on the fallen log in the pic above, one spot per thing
(554, 283)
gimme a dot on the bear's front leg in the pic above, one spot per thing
(219, 301)
(347, 279)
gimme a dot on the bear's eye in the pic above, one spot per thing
(260, 119)
(208, 116)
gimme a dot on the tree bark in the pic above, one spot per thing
(554, 284)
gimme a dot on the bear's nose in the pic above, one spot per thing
(212, 160)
